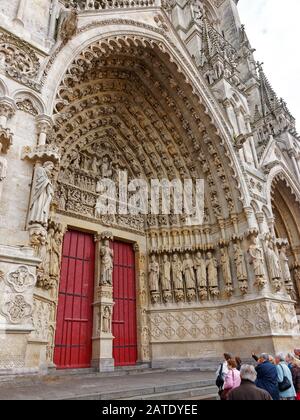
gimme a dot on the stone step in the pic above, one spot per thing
(184, 390)
(84, 373)
(203, 393)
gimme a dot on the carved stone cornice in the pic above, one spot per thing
(42, 153)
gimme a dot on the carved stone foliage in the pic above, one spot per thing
(236, 321)
(105, 4)
(26, 105)
(18, 60)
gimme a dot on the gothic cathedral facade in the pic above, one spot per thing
(157, 89)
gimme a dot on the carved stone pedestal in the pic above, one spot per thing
(103, 338)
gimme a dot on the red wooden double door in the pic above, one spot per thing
(73, 341)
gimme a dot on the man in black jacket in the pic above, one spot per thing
(267, 377)
(248, 391)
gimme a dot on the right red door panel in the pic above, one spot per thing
(124, 314)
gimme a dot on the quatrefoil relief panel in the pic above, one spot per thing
(21, 279)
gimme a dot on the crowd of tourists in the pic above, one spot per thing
(273, 378)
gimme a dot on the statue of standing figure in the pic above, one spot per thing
(153, 274)
(285, 270)
(106, 268)
(177, 273)
(42, 195)
(241, 271)
(274, 266)
(201, 275)
(212, 274)
(284, 262)
(297, 277)
(200, 266)
(189, 273)
(225, 265)
(106, 320)
(3, 170)
(165, 274)
(257, 260)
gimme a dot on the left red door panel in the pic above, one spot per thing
(73, 341)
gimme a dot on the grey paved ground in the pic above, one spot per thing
(53, 387)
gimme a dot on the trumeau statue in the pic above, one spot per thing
(42, 195)
(3, 170)
(106, 268)
(165, 277)
(189, 274)
(177, 273)
(153, 274)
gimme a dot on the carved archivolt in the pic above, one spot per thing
(144, 119)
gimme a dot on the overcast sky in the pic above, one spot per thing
(273, 27)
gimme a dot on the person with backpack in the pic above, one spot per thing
(222, 372)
